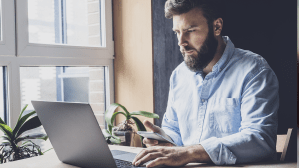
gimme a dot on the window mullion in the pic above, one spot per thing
(14, 92)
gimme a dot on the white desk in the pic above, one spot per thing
(50, 160)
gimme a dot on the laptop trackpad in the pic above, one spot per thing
(123, 155)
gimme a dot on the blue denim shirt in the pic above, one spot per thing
(231, 112)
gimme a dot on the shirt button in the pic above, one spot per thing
(203, 100)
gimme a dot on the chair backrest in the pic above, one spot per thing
(282, 144)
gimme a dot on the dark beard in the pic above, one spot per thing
(204, 56)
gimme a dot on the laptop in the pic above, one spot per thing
(77, 137)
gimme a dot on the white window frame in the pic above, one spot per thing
(27, 54)
(7, 45)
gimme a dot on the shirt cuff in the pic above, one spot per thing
(174, 136)
(218, 153)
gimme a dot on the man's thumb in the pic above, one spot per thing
(151, 126)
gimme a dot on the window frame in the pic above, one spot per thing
(7, 45)
(93, 56)
(26, 49)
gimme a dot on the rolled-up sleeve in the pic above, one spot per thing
(256, 139)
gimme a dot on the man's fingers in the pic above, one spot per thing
(157, 162)
(148, 157)
(142, 153)
(151, 126)
(150, 141)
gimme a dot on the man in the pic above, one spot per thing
(223, 101)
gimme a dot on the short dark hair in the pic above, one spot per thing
(212, 9)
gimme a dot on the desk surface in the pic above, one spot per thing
(50, 160)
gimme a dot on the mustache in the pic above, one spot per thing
(186, 48)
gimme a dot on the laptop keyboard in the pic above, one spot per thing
(123, 164)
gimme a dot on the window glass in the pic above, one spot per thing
(72, 22)
(83, 22)
(2, 94)
(68, 84)
(41, 21)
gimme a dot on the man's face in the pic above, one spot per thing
(197, 42)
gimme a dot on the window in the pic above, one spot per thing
(3, 93)
(55, 50)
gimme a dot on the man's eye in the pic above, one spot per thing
(189, 31)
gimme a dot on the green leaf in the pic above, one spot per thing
(139, 124)
(114, 139)
(22, 112)
(5, 138)
(145, 114)
(39, 151)
(5, 143)
(110, 128)
(106, 133)
(32, 123)
(114, 115)
(7, 130)
(110, 111)
(123, 107)
(32, 136)
(140, 127)
(1, 121)
(46, 151)
(21, 122)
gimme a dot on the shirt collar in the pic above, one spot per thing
(226, 56)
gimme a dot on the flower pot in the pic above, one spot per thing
(125, 136)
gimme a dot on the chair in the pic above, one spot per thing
(282, 144)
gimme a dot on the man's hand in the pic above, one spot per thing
(171, 156)
(152, 142)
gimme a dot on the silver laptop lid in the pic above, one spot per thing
(74, 133)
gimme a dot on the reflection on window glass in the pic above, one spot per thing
(68, 84)
(72, 22)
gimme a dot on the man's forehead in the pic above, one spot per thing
(193, 18)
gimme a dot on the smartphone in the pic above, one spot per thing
(156, 136)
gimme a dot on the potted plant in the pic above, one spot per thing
(10, 148)
(125, 127)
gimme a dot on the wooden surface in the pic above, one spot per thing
(50, 160)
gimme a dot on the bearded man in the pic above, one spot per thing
(223, 101)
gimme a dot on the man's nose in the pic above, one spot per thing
(182, 39)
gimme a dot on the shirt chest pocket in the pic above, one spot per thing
(225, 115)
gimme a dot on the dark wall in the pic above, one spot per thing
(166, 56)
(266, 27)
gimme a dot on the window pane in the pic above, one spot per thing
(83, 22)
(41, 23)
(71, 22)
(69, 84)
(3, 91)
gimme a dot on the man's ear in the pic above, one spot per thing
(217, 26)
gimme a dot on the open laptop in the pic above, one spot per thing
(76, 136)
